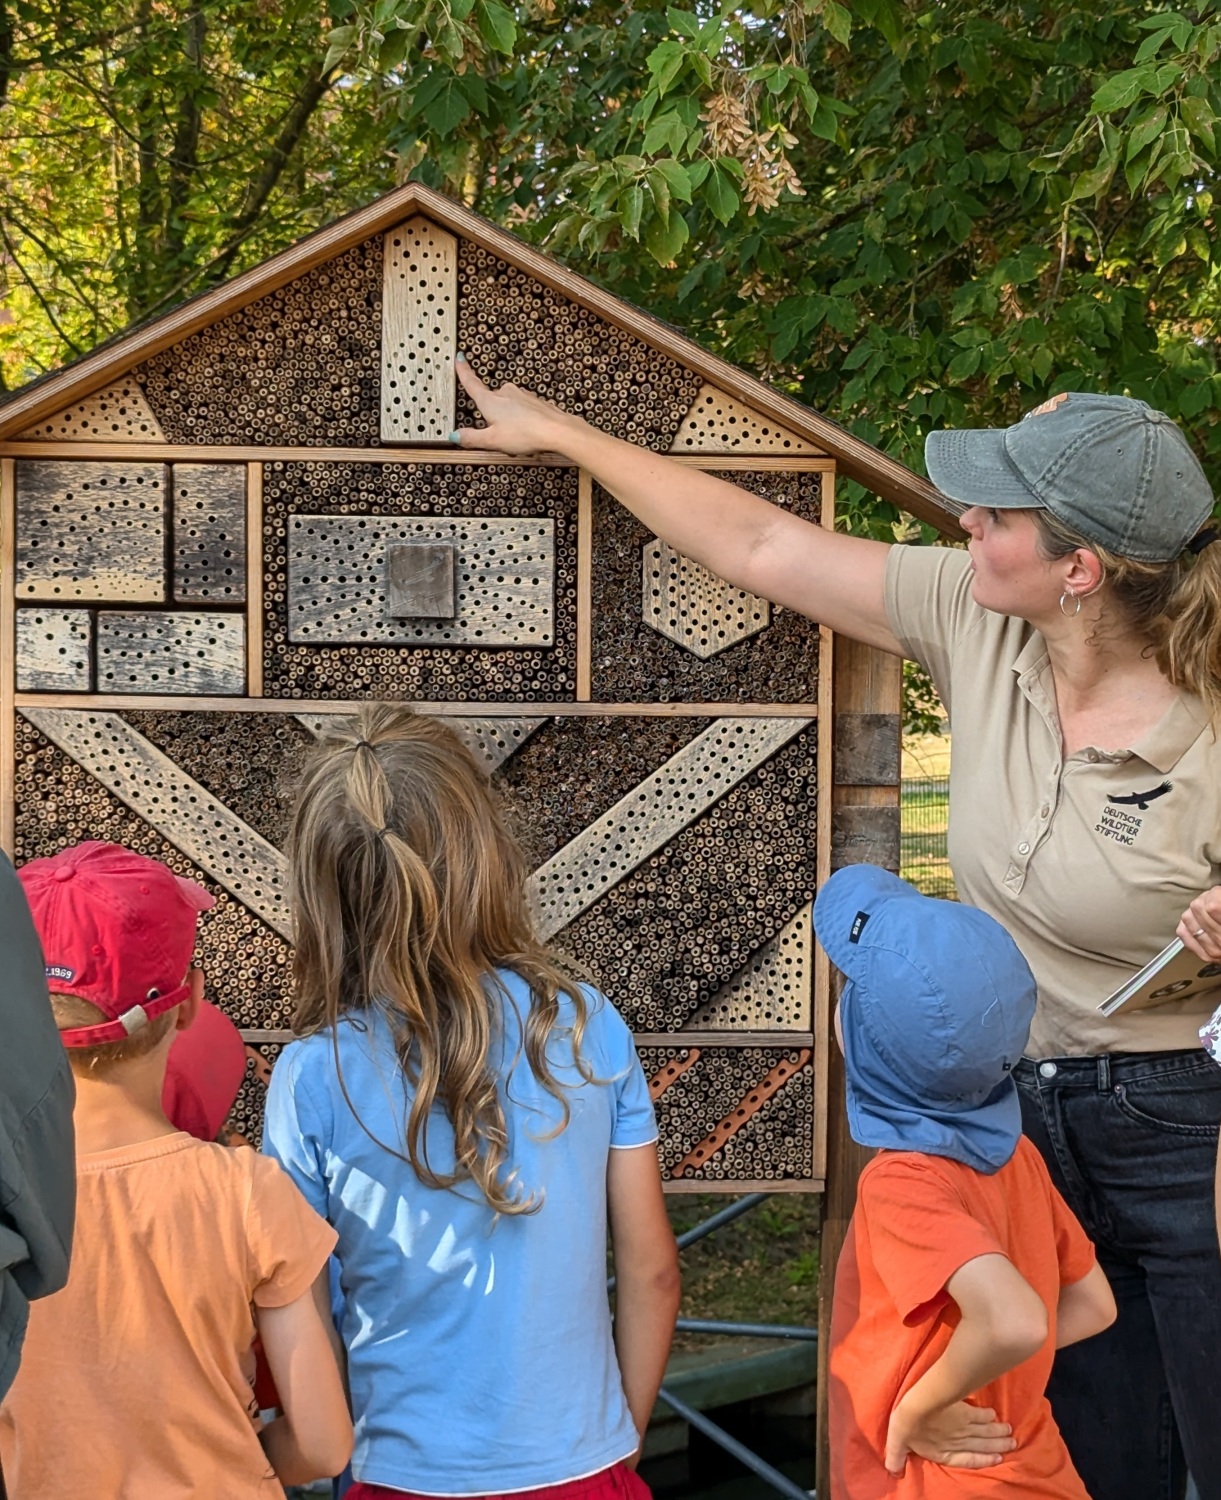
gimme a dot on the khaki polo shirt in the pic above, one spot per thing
(1088, 862)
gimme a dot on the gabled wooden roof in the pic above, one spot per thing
(857, 459)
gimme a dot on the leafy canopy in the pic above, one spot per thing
(905, 214)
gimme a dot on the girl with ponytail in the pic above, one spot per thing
(469, 1118)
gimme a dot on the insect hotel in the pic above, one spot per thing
(244, 517)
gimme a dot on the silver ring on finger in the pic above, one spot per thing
(1199, 932)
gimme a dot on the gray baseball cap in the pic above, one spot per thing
(1112, 468)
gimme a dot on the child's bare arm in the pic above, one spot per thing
(647, 1285)
(1003, 1322)
(1085, 1308)
(313, 1439)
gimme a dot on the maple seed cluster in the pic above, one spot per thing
(767, 171)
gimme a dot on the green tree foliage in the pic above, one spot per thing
(150, 148)
(906, 214)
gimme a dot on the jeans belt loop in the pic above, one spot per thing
(1104, 1074)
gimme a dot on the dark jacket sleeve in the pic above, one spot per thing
(37, 1165)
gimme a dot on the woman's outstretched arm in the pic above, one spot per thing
(835, 579)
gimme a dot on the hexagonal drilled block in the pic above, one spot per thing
(693, 607)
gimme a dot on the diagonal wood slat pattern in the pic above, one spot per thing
(179, 808)
(638, 825)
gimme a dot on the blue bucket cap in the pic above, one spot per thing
(935, 1013)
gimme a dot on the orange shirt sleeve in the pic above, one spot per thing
(919, 1232)
(287, 1242)
(1074, 1248)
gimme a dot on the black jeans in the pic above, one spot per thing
(1130, 1140)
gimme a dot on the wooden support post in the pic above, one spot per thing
(585, 564)
(8, 653)
(865, 827)
(254, 580)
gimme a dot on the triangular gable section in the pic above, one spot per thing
(69, 388)
(120, 413)
(717, 423)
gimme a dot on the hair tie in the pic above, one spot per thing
(362, 745)
(1201, 540)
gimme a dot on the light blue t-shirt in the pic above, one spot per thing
(479, 1349)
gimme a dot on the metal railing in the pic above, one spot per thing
(770, 1475)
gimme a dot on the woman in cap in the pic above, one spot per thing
(1077, 646)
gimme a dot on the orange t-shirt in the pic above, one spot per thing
(918, 1220)
(135, 1379)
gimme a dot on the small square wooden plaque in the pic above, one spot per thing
(420, 580)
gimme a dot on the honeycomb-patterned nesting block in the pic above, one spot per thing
(693, 607)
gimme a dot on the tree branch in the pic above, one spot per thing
(260, 189)
(38, 296)
(184, 155)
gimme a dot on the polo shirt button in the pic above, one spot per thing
(1047, 1070)
(1043, 811)
(1023, 848)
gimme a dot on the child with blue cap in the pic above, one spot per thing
(963, 1270)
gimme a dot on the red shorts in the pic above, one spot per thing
(616, 1483)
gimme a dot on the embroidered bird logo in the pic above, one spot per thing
(1142, 800)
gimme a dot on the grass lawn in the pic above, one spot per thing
(762, 1268)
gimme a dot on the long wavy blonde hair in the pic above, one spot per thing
(408, 894)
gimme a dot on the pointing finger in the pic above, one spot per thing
(471, 383)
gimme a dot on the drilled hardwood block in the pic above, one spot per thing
(163, 652)
(629, 659)
(251, 762)
(420, 580)
(119, 414)
(718, 423)
(693, 607)
(419, 333)
(53, 650)
(574, 768)
(459, 672)
(92, 531)
(150, 783)
(209, 533)
(504, 576)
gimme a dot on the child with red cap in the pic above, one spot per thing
(136, 1377)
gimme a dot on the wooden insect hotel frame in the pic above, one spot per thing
(245, 516)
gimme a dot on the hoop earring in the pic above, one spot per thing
(1070, 614)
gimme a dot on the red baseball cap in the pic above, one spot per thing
(206, 1066)
(117, 929)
